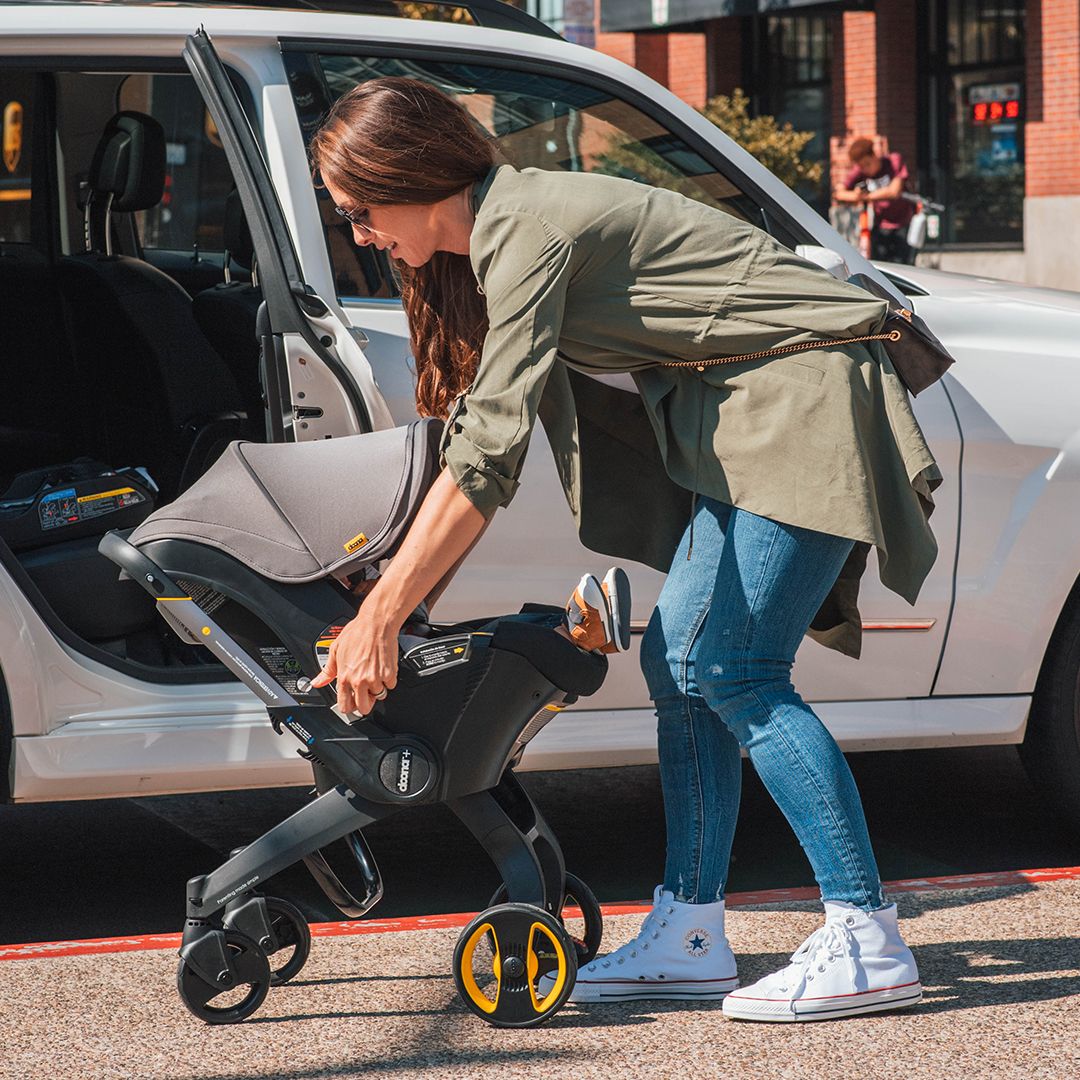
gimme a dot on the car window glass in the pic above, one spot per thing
(191, 213)
(16, 115)
(540, 121)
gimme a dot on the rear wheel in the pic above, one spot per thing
(500, 964)
(1051, 747)
(586, 929)
(293, 938)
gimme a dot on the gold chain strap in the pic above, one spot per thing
(701, 365)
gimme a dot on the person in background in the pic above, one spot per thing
(879, 179)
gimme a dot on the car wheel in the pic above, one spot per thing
(1051, 747)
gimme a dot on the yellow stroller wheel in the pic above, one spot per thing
(502, 955)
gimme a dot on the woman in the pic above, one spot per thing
(761, 484)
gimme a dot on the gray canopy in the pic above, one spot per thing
(299, 511)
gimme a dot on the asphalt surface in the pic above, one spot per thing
(96, 869)
(1000, 970)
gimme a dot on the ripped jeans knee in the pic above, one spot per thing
(740, 691)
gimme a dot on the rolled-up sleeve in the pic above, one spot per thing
(523, 265)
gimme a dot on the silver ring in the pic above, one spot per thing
(381, 695)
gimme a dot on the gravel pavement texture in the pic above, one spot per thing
(1000, 969)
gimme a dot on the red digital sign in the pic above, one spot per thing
(993, 112)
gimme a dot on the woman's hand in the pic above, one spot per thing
(364, 660)
(364, 657)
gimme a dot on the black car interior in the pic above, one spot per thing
(122, 387)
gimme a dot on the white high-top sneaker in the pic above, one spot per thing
(856, 963)
(680, 952)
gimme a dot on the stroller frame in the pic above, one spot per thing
(364, 772)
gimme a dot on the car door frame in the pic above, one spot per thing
(289, 303)
(585, 76)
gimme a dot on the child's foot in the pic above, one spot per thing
(616, 590)
(588, 616)
(599, 615)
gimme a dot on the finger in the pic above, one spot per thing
(344, 702)
(353, 697)
(329, 671)
(344, 695)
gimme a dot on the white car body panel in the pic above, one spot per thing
(121, 754)
(83, 730)
(1016, 388)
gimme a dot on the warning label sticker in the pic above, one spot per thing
(281, 663)
(60, 508)
(442, 653)
(326, 639)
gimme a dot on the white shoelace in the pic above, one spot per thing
(654, 922)
(824, 946)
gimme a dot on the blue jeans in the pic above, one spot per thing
(717, 658)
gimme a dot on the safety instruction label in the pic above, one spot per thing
(281, 663)
(64, 507)
(442, 653)
(326, 639)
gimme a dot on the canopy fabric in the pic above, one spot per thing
(299, 511)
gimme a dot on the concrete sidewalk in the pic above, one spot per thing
(1000, 967)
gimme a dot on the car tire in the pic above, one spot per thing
(1051, 747)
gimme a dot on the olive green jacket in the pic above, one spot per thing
(587, 273)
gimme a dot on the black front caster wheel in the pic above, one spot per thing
(585, 931)
(501, 958)
(232, 998)
(293, 937)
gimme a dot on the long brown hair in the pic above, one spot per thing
(395, 141)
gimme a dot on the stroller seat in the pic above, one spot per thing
(251, 562)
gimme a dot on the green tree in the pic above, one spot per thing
(778, 147)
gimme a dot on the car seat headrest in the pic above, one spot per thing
(129, 162)
(237, 234)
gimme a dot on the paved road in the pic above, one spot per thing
(999, 968)
(94, 869)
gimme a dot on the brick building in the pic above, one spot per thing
(982, 98)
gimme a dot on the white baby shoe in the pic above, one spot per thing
(680, 952)
(856, 963)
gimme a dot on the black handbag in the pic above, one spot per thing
(917, 355)
(915, 351)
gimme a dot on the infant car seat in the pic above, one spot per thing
(247, 562)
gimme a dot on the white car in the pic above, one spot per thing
(141, 356)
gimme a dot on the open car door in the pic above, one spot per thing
(316, 381)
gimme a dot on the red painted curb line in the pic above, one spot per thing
(143, 942)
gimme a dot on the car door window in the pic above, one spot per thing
(190, 217)
(537, 120)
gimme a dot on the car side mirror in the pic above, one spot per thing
(826, 258)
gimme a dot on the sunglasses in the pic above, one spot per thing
(358, 220)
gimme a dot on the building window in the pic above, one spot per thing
(792, 61)
(547, 11)
(977, 87)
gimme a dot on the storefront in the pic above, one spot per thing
(973, 141)
(981, 98)
(784, 62)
